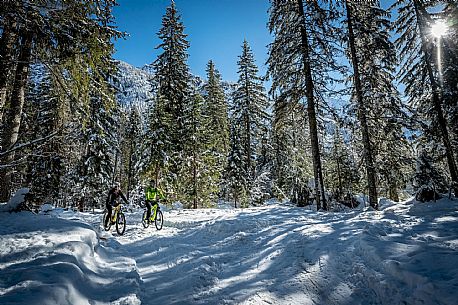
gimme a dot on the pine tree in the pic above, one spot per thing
(450, 70)
(301, 60)
(98, 165)
(426, 173)
(416, 46)
(249, 109)
(135, 149)
(216, 112)
(342, 173)
(236, 171)
(75, 44)
(13, 115)
(199, 185)
(292, 163)
(158, 137)
(44, 117)
(375, 99)
(8, 42)
(172, 78)
(358, 24)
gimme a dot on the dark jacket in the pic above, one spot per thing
(113, 196)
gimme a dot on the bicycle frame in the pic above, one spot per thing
(154, 208)
(115, 213)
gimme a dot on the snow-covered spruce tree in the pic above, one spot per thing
(237, 177)
(172, 78)
(450, 70)
(100, 112)
(381, 108)
(301, 58)
(216, 112)
(43, 117)
(134, 150)
(426, 174)
(98, 164)
(342, 174)
(292, 162)
(261, 189)
(419, 74)
(69, 45)
(364, 27)
(8, 44)
(249, 110)
(13, 113)
(159, 141)
(199, 184)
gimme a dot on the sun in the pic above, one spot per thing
(439, 29)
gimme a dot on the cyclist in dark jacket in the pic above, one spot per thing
(152, 196)
(113, 200)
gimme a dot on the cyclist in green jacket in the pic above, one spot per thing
(152, 196)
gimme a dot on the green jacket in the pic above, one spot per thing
(153, 193)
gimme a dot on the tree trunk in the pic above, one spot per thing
(116, 179)
(339, 178)
(14, 113)
(318, 173)
(367, 151)
(393, 191)
(129, 169)
(437, 102)
(194, 177)
(8, 42)
(248, 129)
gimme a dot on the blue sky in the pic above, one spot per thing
(216, 30)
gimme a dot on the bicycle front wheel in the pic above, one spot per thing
(145, 220)
(121, 223)
(106, 223)
(159, 221)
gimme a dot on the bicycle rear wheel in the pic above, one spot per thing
(159, 221)
(145, 220)
(107, 227)
(121, 223)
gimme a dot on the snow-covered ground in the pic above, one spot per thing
(276, 254)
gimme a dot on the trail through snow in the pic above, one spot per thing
(275, 254)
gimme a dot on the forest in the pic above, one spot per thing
(362, 99)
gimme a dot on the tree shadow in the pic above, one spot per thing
(234, 260)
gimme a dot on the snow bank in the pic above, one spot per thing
(15, 201)
(48, 260)
(405, 253)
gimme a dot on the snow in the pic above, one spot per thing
(15, 201)
(406, 253)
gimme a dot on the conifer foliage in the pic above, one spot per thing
(71, 38)
(300, 59)
(73, 121)
(172, 80)
(215, 113)
(417, 48)
(249, 111)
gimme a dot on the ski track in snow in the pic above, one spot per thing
(276, 254)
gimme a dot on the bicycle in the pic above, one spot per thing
(156, 216)
(117, 218)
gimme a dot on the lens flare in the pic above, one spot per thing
(439, 29)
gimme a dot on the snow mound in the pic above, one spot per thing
(15, 201)
(177, 205)
(48, 260)
(46, 208)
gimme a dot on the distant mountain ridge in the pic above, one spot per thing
(134, 85)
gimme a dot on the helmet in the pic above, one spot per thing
(117, 185)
